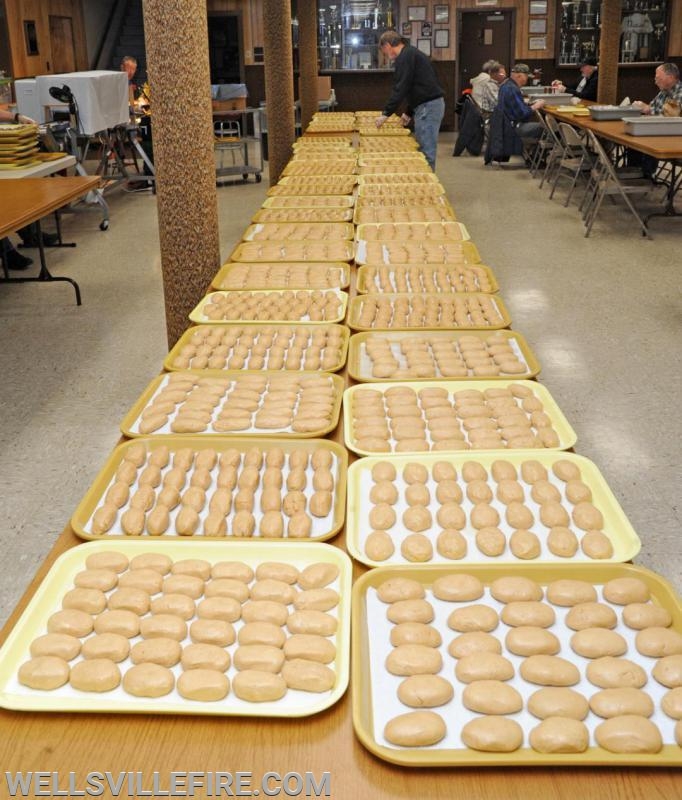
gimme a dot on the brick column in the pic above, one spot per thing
(279, 84)
(176, 41)
(307, 55)
(609, 43)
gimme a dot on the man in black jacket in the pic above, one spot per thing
(415, 83)
(586, 88)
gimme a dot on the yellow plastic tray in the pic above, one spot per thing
(617, 527)
(47, 600)
(257, 329)
(419, 191)
(311, 185)
(374, 690)
(324, 214)
(298, 231)
(428, 252)
(329, 165)
(434, 212)
(567, 436)
(335, 274)
(404, 178)
(367, 283)
(323, 528)
(197, 314)
(355, 308)
(129, 424)
(341, 250)
(411, 231)
(360, 368)
(310, 201)
(406, 201)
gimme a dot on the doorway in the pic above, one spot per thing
(483, 35)
(224, 48)
(61, 44)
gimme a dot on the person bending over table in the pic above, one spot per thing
(510, 100)
(416, 84)
(586, 88)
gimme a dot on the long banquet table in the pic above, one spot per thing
(663, 148)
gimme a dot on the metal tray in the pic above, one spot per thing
(600, 113)
(374, 689)
(617, 527)
(654, 126)
(323, 528)
(47, 600)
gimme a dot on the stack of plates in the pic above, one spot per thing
(18, 146)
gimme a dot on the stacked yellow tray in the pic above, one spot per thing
(272, 305)
(282, 275)
(425, 278)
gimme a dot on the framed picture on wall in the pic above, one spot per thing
(537, 7)
(441, 38)
(537, 43)
(537, 26)
(441, 14)
(425, 46)
(416, 13)
(426, 29)
(406, 29)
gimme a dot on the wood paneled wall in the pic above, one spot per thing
(252, 21)
(39, 11)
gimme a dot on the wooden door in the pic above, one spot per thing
(483, 35)
(62, 44)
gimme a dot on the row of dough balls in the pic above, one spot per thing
(316, 306)
(333, 184)
(372, 214)
(340, 200)
(333, 250)
(405, 166)
(423, 178)
(426, 278)
(268, 661)
(216, 494)
(330, 214)
(557, 511)
(484, 671)
(429, 252)
(327, 166)
(300, 402)
(426, 311)
(375, 144)
(452, 357)
(262, 347)
(404, 420)
(283, 275)
(281, 231)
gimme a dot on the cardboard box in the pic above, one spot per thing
(234, 104)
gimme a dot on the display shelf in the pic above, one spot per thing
(348, 33)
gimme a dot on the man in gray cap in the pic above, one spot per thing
(511, 101)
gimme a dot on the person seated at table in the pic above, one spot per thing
(129, 66)
(491, 89)
(586, 88)
(512, 104)
(667, 103)
(481, 81)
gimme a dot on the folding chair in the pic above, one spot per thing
(576, 160)
(604, 182)
(544, 147)
(227, 137)
(555, 153)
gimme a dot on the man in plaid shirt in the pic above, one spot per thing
(668, 102)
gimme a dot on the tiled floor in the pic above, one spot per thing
(603, 315)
